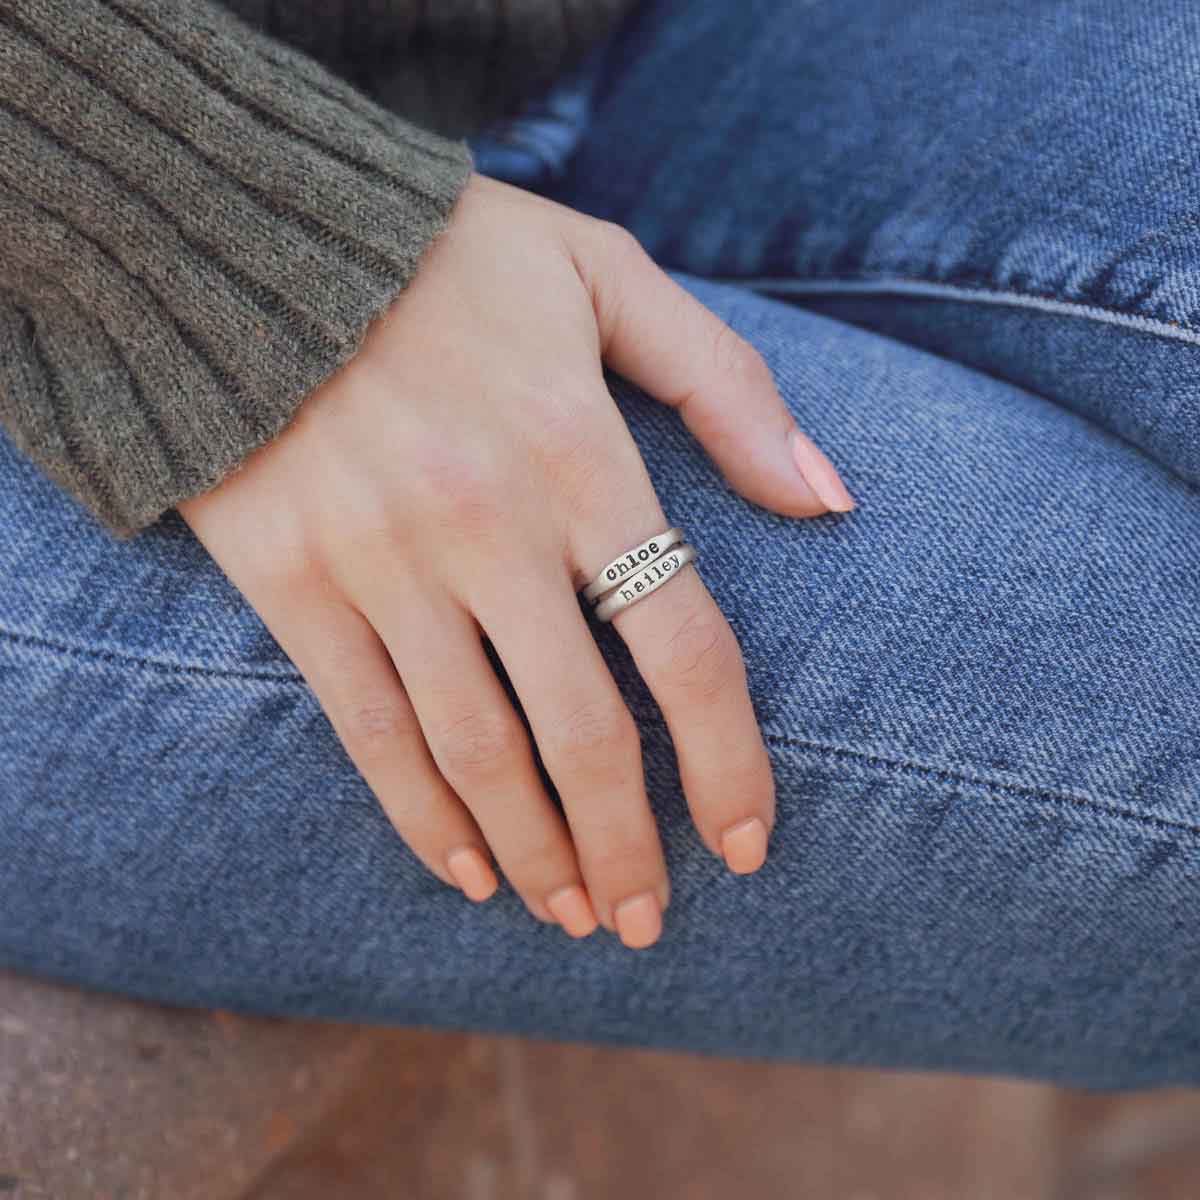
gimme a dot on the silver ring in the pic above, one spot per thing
(648, 579)
(628, 563)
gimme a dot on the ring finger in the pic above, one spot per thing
(689, 657)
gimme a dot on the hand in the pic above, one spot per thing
(465, 475)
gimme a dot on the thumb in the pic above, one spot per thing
(660, 337)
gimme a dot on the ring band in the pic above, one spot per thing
(627, 564)
(649, 579)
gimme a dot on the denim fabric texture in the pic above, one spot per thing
(1035, 161)
(531, 147)
(979, 690)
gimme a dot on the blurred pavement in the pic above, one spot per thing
(105, 1099)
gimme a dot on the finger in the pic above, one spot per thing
(342, 657)
(482, 749)
(689, 657)
(659, 336)
(588, 740)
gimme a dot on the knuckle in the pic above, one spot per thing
(621, 860)
(566, 433)
(620, 239)
(373, 729)
(537, 861)
(597, 734)
(362, 532)
(294, 562)
(478, 745)
(749, 777)
(464, 492)
(734, 356)
(592, 477)
(702, 657)
(297, 570)
(613, 261)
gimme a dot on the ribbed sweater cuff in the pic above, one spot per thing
(197, 226)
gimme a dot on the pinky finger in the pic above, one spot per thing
(355, 680)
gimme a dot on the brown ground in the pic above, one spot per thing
(106, 1100)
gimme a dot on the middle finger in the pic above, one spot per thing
(588, 740)
(481, 747)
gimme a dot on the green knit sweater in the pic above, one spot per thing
(203, 206)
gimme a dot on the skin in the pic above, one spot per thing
(465, 474)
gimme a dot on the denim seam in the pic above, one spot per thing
(951, 775)
(937, 774)
(947, 291)
(130, 660)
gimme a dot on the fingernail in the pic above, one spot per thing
(819, 473)
(573, 910)
(745, 846)
(471, 872)
(639, 920)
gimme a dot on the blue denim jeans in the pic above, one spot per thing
(966, 238)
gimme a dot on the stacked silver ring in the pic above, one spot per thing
(632, 576)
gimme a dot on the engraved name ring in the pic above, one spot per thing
(644, 580)
(627, 563)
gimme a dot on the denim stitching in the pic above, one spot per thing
(830, 285)
(111, 656)
(936, 774)
(949, 775)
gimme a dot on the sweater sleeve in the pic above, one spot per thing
(197, 225)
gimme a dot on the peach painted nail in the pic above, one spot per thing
(471, 872)
(573, 910)
(819, 473)
(745, 846)
(639, 920)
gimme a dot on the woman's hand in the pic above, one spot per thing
(465, 475)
